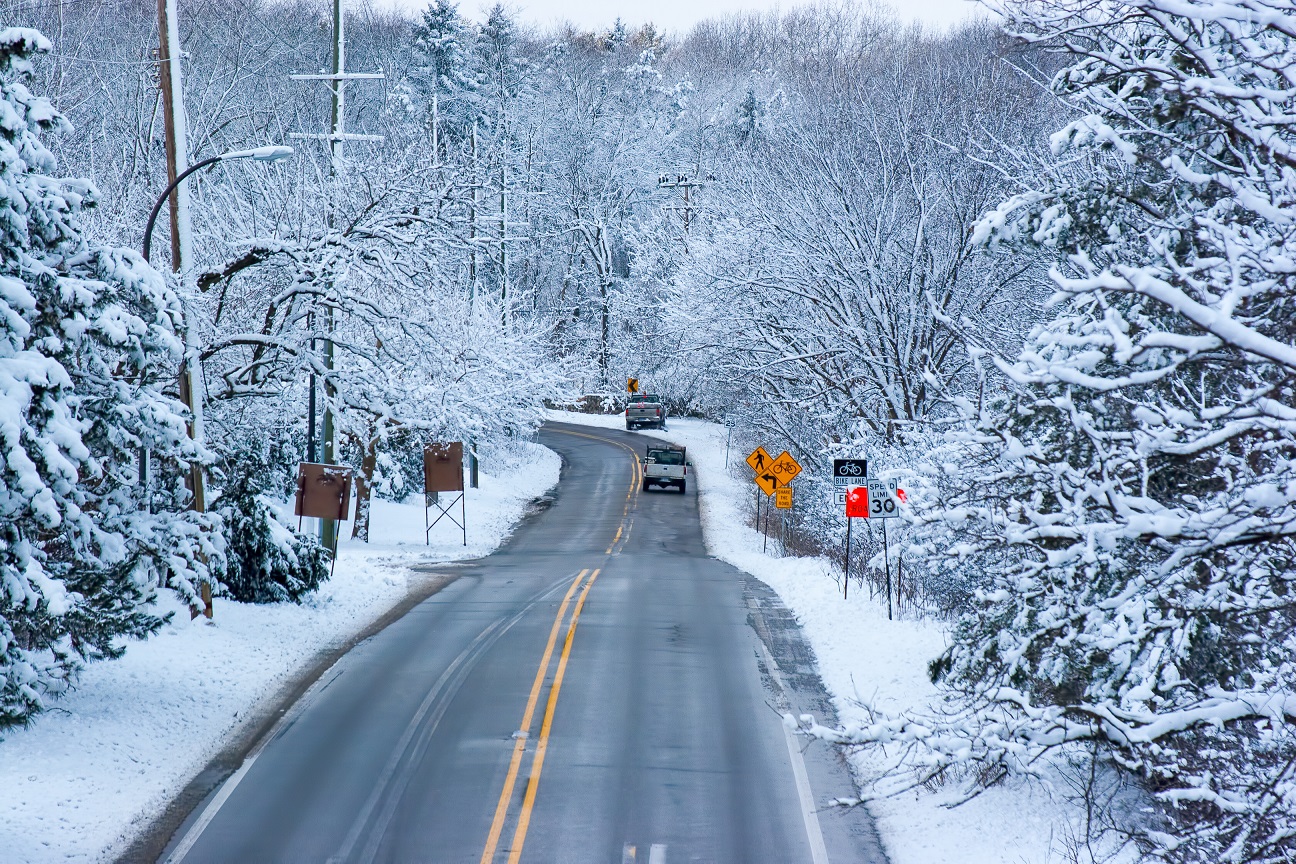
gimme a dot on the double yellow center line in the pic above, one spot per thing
(537, 764)
(546, 725)
(515, 762)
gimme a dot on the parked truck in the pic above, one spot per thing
(645, 410)
(665, 465)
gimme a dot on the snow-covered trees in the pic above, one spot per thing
(87, 344)
(1127, 511)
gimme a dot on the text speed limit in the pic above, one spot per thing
(883, 502)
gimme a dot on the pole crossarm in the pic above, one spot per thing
(340, 76)
(337, 136)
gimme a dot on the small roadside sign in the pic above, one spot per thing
(785, 468)
(632, 385)
(759, 460)
(857, 502)
(846, 474)
(783, 498)
(883, 496)
(767, 482)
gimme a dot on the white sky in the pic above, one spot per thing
(679, 15)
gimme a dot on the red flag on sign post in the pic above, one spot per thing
(857, 502)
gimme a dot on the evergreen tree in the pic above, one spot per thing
(87, 342)
(268, 562)
(750, 117)
(446, 70)
(501, 65)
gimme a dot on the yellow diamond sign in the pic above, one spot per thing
(759, 460)
(785, 468)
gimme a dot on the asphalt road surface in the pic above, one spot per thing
(599, 690)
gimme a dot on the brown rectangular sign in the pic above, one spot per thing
(323, 491)
(443, 467)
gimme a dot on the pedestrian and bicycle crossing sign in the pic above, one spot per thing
(773, 474)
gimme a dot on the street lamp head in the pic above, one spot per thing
(260, 154)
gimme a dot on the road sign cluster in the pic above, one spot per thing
(862, 496)
(774, 475)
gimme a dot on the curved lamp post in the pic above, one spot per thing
(261, 154)
(190, 389)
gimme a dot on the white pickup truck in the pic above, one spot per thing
(664, 465)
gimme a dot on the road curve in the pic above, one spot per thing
(595, 691)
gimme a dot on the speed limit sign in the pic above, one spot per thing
(883, 502)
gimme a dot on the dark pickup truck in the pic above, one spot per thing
(645, 410)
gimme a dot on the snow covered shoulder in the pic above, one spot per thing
(89, 774)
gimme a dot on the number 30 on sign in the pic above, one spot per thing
(883, 496)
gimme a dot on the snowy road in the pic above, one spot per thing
(594, 692)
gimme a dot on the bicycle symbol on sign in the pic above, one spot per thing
(847, 468)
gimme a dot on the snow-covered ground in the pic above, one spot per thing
(87, 776)
(863, 656)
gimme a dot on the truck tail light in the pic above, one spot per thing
(657, 411)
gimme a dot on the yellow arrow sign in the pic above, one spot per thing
(785, 468)
(767, 482)
(759, 460)
(632, 385)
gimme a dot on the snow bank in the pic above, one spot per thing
(92, 772)
(863, 656)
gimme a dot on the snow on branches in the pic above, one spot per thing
(87, 341)
(1127, 512)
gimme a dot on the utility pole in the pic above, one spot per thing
(686, 185)
(472, 228)
(173, 116)
(171, 83)
(336, 136)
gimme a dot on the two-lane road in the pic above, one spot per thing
(593, 692)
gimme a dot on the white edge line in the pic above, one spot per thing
(231, 783)
(818, 851)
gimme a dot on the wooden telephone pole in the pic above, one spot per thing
(336, 136)
(171, 83)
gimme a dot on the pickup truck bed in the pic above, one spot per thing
(665, 466)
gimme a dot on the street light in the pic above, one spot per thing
(260, 154)
(190, 391)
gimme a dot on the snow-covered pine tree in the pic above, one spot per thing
(1129, 508)
(446, 72)
(87, 341)
(500, 62)
(268, 562)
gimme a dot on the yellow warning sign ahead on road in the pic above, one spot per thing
(785, 468)
(783, 498)
(632, 385)
(767, 482)
(759, 460)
